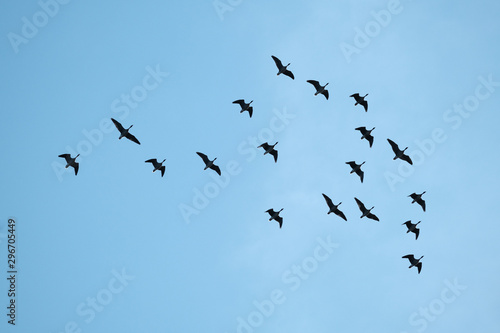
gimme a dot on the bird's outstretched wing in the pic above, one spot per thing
(274, 152)
(325, 93)
(361, 129)
(352, 164)
(277, 62)
(241, 102)
(162, 170)
(314, 83)
(394, 146)
(250, 111)
(361, 174)
(406, 158)
(215, 168)
(413, 196)
(203, 157)
(132, 138)
(75, 166)
(365, 104)
(265, 145)
(356, 96)
(328, 201)
(369, 137)
(289, 74)
(409, 257)
(118, 125)
(422, 203)
(417, 232)
(372, 216)
(419, 266)
(279, 219)
(339, 213)
(67, 157)
(360, 205)
(153, 161)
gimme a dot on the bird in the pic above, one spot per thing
(414, 262)
(319, 88)
(366, 134)
(357, 168)
(125, 132)
(71, 162)
(156, 165)
(270, 149)
(360, 100)
(275, 216)
(282, 69)
(333, 208)
(366, 212)
(418, 198)
(208, 163)
(413, 228)
(399, 153)
(244, 106)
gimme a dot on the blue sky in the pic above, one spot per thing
(118, 248)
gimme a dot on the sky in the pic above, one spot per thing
(118, 248)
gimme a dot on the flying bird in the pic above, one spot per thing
(365, 212)
(414, 262)
(71, 162)
(319, 88)
(360, 100)
(156, 165)
(282, 69)
(366, 134)
(275, 216)
(125, 132)
(333, 208)
(244, 106)
(270, 149)
(413, 228)
(399, 153)
(357, 168)
(418, 198)
(208, 163)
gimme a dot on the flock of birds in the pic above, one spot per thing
(269, 149)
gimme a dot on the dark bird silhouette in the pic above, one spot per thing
(357, 168)
(414, 262)
(71, 162)
(333, 208)
(275, 216)
(360, 100)
(282, 69)
(125, 132)
(364, 211)
(270, 149)
(156, 165)
(366, 134)
(399, 153)
(413, 228)
(319, 88)
(418, 198)
(208, 163)
(245, 106)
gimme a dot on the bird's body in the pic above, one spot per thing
(356, 168)
(366, 134)
(360, 100)
(156, 165)
(334, 208)
(418, 199)
(412, 228)
(208, 163)
(399, 153)
(275, 216)
(125, 132)
(366, 212)
(270, 149)
(414, 262)
(319, 88)
(282, 69)
(245, 106)
(71, 162)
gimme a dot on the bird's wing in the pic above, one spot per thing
(394, 146)
(250, 111)
(325, 93)
(328, 200)
(162, 170)
(361, 129)
(132, 138)
(352, 164)
(372, 216)
(216, 168)
(422, 203)
(356, 96)
(67, 157)
(270, 211)
(409, 257)
(118, 125)
(365, 104)
(274, 152)
(76, 165)
(419, 266)
(280, 220)
(203, 157)
(370, 139)
(314, 83)
(408, 224)
(153, 161)
(277, 62)
(289, 74)
(416, 231)
(413, 196)
(265, 145)
(406, 158)
(240, 102)
(360, 205)
(361, 174)
(339, 213)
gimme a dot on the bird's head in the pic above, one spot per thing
(362, 163)
(326, 84)
(405, 149)
(280, 210)
(372, 129)
(163, 161)
(77, 156)
(130, 127)
(365, 95)
(421, 257)
(418, 222)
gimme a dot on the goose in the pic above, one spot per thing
(282, 69)
(125, 132)
(366, 212)
(360, 100)
(357, 168)
(399, 153)
(156, 165)
(71, 162)
(414, 262)
(333, 208)
(319, 88)
(208, 163)
(413, 228)
(275, 216)
(418, 198)
(270, 149)
(366, 134)
(244, 106)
